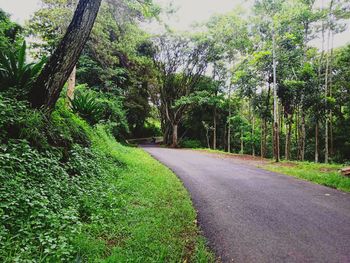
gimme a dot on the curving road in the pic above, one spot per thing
(252, 215)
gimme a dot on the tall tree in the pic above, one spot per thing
(182, 60)
(47, 88)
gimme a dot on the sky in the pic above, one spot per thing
(188, 12)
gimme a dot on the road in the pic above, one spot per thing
(251, 215)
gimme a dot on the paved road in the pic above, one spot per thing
(252, 215)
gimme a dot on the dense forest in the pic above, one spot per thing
(242, 82)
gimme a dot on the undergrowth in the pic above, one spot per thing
(70, 193)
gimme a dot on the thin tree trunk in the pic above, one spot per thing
(303, 138)
(261, 139)
(288, 137)
(49, 84)
(71, 85)
(275, 103)
(326, 83)
(330, 94)
(214, 129)
(253, 134)
(242, 143)
(264, 154)
(316, 141)
(229, 122)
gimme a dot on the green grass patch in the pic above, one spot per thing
(324, 174)
(150, 217)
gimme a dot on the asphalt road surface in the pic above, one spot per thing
(252, 215)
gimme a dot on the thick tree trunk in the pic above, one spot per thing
(48, 86)
(175, 135)
(71, 85)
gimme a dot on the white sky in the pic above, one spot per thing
(188, 12)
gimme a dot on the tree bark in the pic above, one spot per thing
(242, 143)
(71, 85)
(303, 137)
(175, 136)
(316, 142)
(275, 102)
(253, 135)
(288, 137)
(214, 129)
(48, 86)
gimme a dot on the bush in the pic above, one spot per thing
(188, 143)
(97, 107)
(15, 73)
(85, 104)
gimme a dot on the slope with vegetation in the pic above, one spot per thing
(69, 191)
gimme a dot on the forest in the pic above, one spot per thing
(81, 79)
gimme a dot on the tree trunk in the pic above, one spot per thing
(264, 142)
(214, 129)
(253, 134)
(229, 137)
(49, 84)
(288, 137)
(330, 94)
(303, 138)
(242, 143)
(71, 85)
(229, 122)
(175, 136)
(316, 142)
(275, 103)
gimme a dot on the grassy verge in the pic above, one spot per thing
(323, 174)
(149, 217)
(70, 193)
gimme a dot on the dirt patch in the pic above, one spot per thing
(248, 159)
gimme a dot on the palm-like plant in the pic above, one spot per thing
(87, 106)
(15, 72)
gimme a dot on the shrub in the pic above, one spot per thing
(188, 143)
(15, 73)
(97, 107)
(85, 104)
(17, 121)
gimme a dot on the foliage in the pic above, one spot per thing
(15, 73)
(10, 33)
(78, 198)
(187, 143)
(87, 107)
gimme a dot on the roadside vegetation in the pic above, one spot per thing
(69, 191)
(319, 173)
(91, 78)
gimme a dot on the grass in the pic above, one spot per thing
(148, 215)
(323, 174)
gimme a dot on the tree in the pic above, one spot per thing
(181, 60)
(47, 87)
